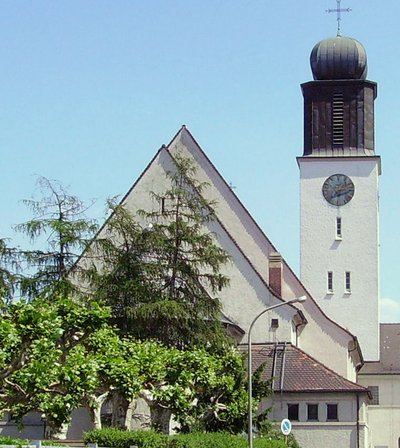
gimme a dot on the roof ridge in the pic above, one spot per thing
(184, 128)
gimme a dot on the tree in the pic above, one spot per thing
(42, 366)
(59, 222)
(49, 323)
(162, 268)
(8, 266)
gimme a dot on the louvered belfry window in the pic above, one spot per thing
(337, 119)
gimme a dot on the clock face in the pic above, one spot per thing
(338, 189)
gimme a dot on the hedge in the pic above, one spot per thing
(115, 438)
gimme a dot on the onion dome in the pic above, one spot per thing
(338, 58)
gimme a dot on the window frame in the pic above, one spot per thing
(316, 406)
(332, 406)
(329, 282)
(339, 234)
(347, 282)
(296, 414)
(374, 390)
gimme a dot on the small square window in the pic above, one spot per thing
(274, 324)
(332, 412)
(293, 411)
(312, 412)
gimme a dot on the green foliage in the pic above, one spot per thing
(8, 266)
(42, 363)
(6, 440)
(114, 438)
(162, 267)
(59, 224)
(270, 430)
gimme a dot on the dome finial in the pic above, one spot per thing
(338, 10)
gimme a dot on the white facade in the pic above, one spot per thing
(384, 416)
(352, 249)
(350, 430)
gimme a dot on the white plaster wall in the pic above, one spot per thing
(356, 252)
(248, 295)
(384, 422)
(332, 342)
(310, 434)
(384, 419)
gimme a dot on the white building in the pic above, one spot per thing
(314, 350)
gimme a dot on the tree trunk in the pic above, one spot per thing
(129, 413)
(94, 405)
(160, 418)
(59, 433)
(120, 406)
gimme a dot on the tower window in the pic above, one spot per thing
(348, 282)
(338, 228)
(337, 119)
(330, 282)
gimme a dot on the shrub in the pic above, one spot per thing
(5, 440)
(207, 440)
(117, 438)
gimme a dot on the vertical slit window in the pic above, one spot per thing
(339, 228)
(330, 282)
(337, 119)
(348, 281)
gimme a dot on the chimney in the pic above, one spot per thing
(275, 272)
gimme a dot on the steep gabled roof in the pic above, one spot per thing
(184, 135)
(293, 370)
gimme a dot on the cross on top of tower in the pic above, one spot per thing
(338, 10)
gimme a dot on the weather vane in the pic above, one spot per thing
(338, 10)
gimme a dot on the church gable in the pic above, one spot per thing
(250, 291)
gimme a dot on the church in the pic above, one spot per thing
(335, 369)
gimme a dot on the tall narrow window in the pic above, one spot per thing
(374, 390)
(332, 412)
(348, 281)
(330, 282)
(312, 412)
(293, 411)
(338, 228)
(337, 119)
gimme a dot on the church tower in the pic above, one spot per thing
(339, 226)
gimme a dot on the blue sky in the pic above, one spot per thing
(89, 90)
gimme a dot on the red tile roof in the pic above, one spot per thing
(293, 370)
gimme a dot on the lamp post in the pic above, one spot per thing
(249, 360)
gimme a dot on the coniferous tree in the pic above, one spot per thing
(59, 232)
(163, 267)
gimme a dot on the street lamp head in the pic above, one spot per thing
(301, 299)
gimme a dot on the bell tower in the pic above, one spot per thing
(339, 171)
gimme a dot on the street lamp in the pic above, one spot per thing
(249, 368)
